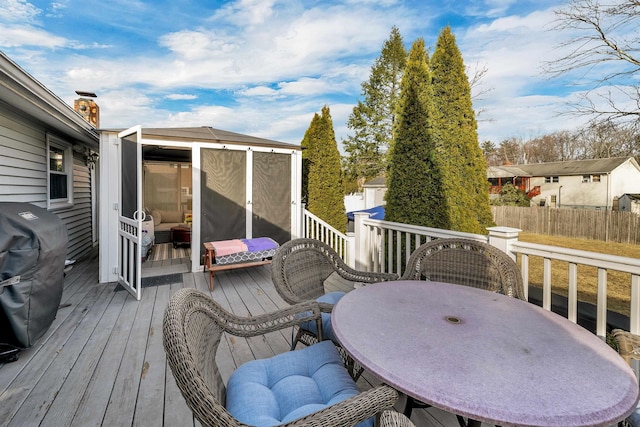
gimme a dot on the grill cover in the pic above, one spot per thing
(33, 246)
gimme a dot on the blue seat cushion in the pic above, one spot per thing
(274, 391)
(327, 330)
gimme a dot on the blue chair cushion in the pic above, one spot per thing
(327, 330)
(274, 391)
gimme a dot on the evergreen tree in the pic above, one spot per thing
(373, 119)
(307, 148)
(414, 180)
(325, 191)
(458, 154)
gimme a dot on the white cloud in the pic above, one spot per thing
(181, 97)
(18, 11)
(19, 36)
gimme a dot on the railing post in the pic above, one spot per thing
(503, 237)
(360, 246)
(351, 249)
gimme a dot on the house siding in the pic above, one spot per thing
(23, 176)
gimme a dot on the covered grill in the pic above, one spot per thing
(33, 246)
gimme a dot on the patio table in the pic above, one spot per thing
(483, 355)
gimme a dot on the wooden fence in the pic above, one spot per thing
(608, 226)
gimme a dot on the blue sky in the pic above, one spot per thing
(264, 67)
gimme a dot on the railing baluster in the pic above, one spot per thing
(634, 325)
(573, 293)
(601, 317)
(546, 284)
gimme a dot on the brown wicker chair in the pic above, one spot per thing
(629, 348)
(466, 262)
(393, 418)
(192, 330)
(302, 267)
(463, 262)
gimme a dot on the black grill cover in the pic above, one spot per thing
(33, 246)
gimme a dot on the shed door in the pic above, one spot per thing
(271, 188)
(130, 211)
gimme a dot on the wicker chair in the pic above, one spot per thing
(393, 418)
(629, 349)
(300, 270)
(463, 262)
(192, 330)
(466, 262)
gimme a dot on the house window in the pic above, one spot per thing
(549, 179)
(595, 178)
(59, 172)
(586, 178)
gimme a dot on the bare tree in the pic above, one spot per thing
(479, 90)
(604, 46)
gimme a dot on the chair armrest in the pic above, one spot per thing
(274, 321)
(353, 410)
(390, 418)
(628, 344)
(352, 275)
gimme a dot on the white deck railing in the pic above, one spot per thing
(315, 228)
(385, 246)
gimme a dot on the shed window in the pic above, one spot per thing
(549, 179)
(59, 172)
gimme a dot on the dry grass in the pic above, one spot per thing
(618, 284)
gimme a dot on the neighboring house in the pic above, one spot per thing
(374, 191)
(589, 184)
(629, 203)
(231, 185)
(47, 155)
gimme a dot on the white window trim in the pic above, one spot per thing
(68, 170)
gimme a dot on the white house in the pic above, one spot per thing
(48, 155)
(589, 184)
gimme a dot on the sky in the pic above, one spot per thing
(264, 67)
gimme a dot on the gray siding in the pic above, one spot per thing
(23, 176)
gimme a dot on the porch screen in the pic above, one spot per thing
(223, 195)
(271, 189)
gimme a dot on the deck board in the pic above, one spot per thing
(102, 363)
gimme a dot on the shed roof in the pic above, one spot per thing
(632, 196)
(379, 181)
(208, 134)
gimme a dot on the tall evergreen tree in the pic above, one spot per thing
(463, 169)
(307, 149)
(414, 180)
(373, 119)
(325, 191)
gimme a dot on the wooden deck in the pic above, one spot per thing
(101, 363)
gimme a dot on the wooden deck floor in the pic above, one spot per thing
(101, 363)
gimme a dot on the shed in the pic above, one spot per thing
(629, 203)
(230, 186)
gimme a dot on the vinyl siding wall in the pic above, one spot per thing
(23, 176)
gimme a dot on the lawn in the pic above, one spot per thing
(618, 284)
